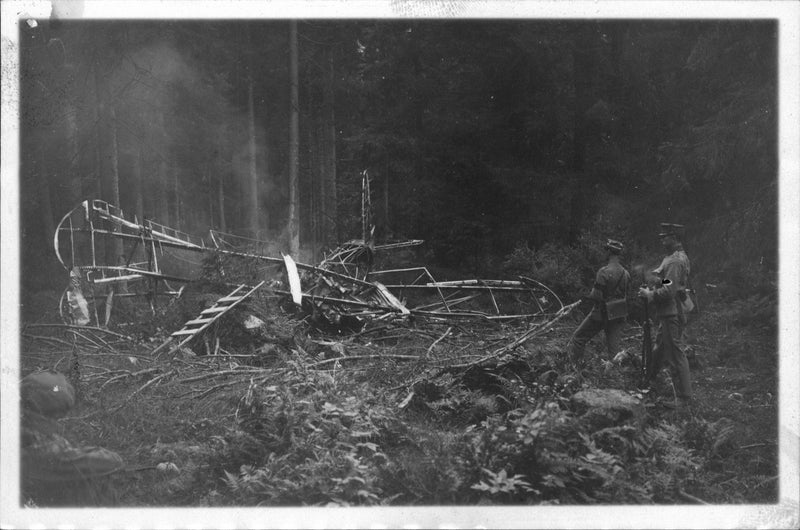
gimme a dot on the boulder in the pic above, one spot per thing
(547, 378)
(606, 407)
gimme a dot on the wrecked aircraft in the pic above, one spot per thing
(108, 255)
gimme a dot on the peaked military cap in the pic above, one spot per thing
(671, 229)
(613, 244)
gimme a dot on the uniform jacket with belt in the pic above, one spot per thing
(674, 273)
(611, 282)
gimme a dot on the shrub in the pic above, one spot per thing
(303, 442)
(545, 455)
(540, 455)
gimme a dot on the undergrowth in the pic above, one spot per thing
(390, 430)
(318, 440)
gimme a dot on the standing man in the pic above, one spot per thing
(668, 300)
(610, 284)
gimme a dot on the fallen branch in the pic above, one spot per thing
(87, 339)
(770, 479)
(196, 378)
(352, 357)
(142, 388)
(50, 339)
(223, 353)
(437, 341)
(521, 339)
(691, 498)
(117, 354)
(72, 326)
(105, 370)
(219, 386)
(98, 375)
(128, 374)
(755, 445)
(44, 355)
(388, 337)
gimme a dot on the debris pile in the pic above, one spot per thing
(240, 316)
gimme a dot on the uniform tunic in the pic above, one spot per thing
(675, 268)
(674, 274)
(611, 282)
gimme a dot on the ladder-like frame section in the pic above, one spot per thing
(194, 327)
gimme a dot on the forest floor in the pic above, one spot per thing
(290, 416)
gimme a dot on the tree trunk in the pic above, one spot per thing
(221, 202)
(96, 185)
(108, 156)
(210, 194)
(159, 189)
(75, 193)
(177, 221)
(294, 143)
(251, 188)
(386, 230)
(138, 183)
(582, 76)
(251, 205)
(314, 217)
(45, 203)
(329, 177)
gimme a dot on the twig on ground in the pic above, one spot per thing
(735, 477)
(371, 330)
(756, 445)
(765, 481)
(388, 337)
(88, 339)
(142, 388)
(437, 341)
(103, 369)
(72, 326)
(45, 354)
(47, 339)
(219, 386)
(353, 357)
(691, 498)
(92, 336)
(118, 354)
(534, 331)
(128, 374)
(202, 377)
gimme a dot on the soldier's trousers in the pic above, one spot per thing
(668, 351)
(591, 326)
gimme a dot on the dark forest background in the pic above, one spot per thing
(505, 145)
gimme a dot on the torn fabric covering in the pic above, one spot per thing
(78, 307)
(294, 279)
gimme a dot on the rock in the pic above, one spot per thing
(547, 378)
(601, 408)
(253, 322)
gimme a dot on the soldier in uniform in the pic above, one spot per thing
(669, 299)
(611, 282)
(51, 465)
